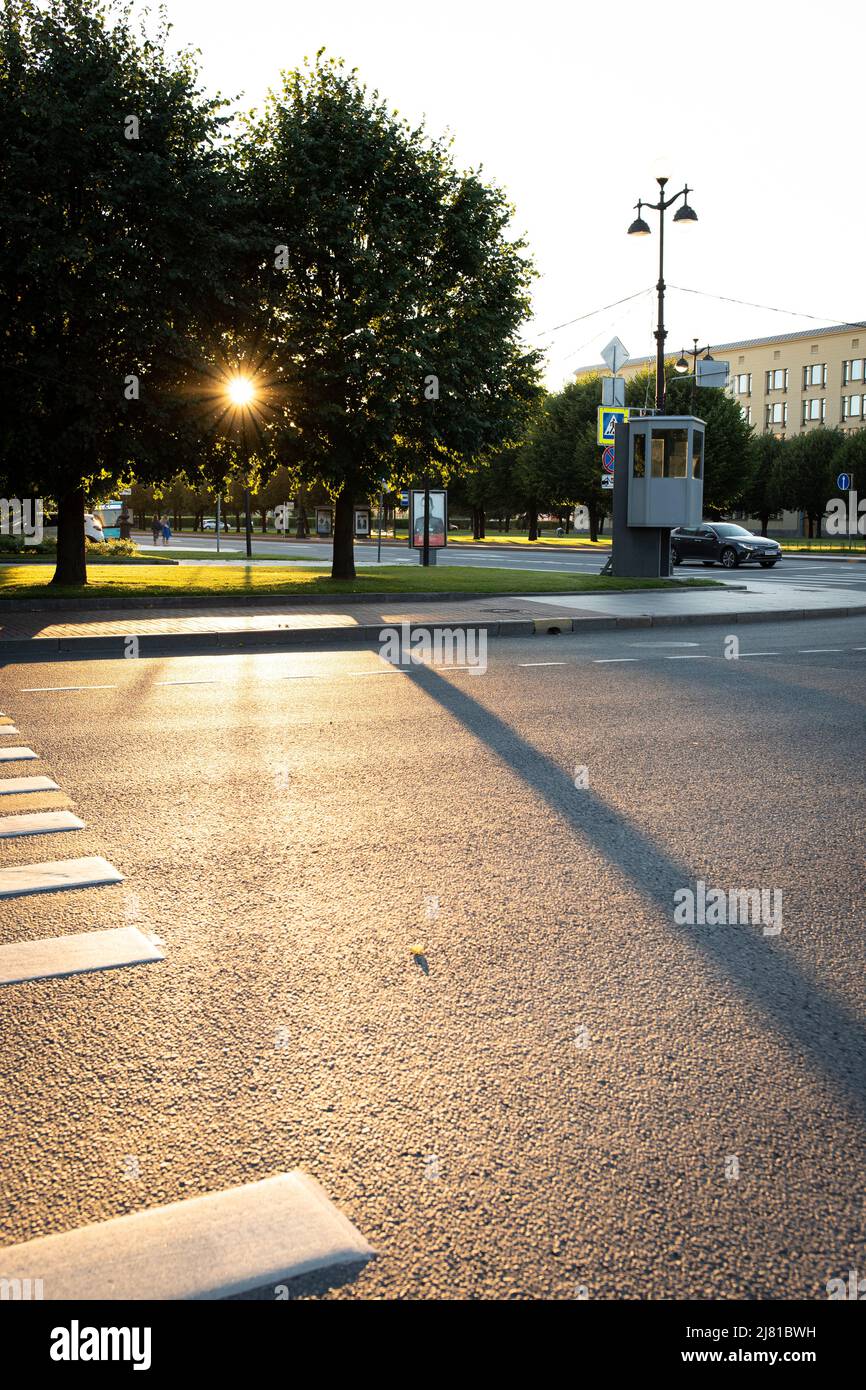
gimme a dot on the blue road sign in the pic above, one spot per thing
(607, 418)
(404, 499)
(843, 482)
(607, 459)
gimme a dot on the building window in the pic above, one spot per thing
(670, 454)
(814, 409)
(852, 371)
(815, 375)
(852, 407)
(743, 384)
(777, 413)
(778, 380)
(747, 413)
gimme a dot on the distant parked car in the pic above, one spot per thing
(93, 528)
(210, 525)
(723, 543)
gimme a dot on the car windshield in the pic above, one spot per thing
(728, 530)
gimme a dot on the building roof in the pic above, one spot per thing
(745, 343)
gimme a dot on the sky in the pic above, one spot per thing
(573, 109)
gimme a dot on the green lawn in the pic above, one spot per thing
(25, 581)
(827, 543)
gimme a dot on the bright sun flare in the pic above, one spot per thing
(240, 390)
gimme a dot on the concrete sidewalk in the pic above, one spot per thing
(35, 636)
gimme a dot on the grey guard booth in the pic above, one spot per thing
(658, 484)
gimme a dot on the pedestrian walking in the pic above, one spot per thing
(156, 528)
(166, 531)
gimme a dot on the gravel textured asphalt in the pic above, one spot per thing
(551, 1098)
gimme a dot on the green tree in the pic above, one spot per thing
(561, 463)
(812, 459)
(116, 252)
(726, 456)
(394, 296)
(762, 494)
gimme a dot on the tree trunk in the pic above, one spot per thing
(71, 562)
(264, 516)
(506, 524)
(593, 523)
(238, 522)
(765, 521)
(303, 529)
(343, 561)
(482, 523)
(532, 533)
(818, 519)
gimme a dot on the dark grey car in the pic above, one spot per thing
(723, 543)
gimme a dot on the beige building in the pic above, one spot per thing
(787, 384)
(793, 381)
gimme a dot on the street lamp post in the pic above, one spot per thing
(241, 392)
(639, 227)
(682, 366)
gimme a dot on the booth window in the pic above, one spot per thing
(639, 457)
(697, 453)
(670, 454)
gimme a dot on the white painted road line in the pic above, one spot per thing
(16, 755)
(612, 660)
(15, 786)
(687, 656)
(75, 955)
(802, 651)
(53, 689)
(6, 729)
(542, 663)
(743, 654)
(203, 1248)
(202, 682)
(38, 823)
(56, 874)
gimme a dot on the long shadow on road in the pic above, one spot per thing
(828, 1034)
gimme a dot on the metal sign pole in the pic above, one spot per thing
(218, 524)
(379, 548)
(426, 550)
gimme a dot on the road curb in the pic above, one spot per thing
(35, 649)
(170, 602)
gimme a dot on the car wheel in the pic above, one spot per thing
(767, 564)
(729, 558)
(675, 557)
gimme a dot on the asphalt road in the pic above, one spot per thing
(559, 1097)
(821, 573)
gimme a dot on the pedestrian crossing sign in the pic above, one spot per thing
(607, 418)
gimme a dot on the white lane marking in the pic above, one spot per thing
(204, 1248)
(666, 644)
(202, 682)
(53, 689)
(612, 660)
(803, 650)
(688, 656)
(7, 729)
(74, 954)
(14, 786)
(16, 755)
(38, 823)
(50, 877)
(742, 654)
(542, 663)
